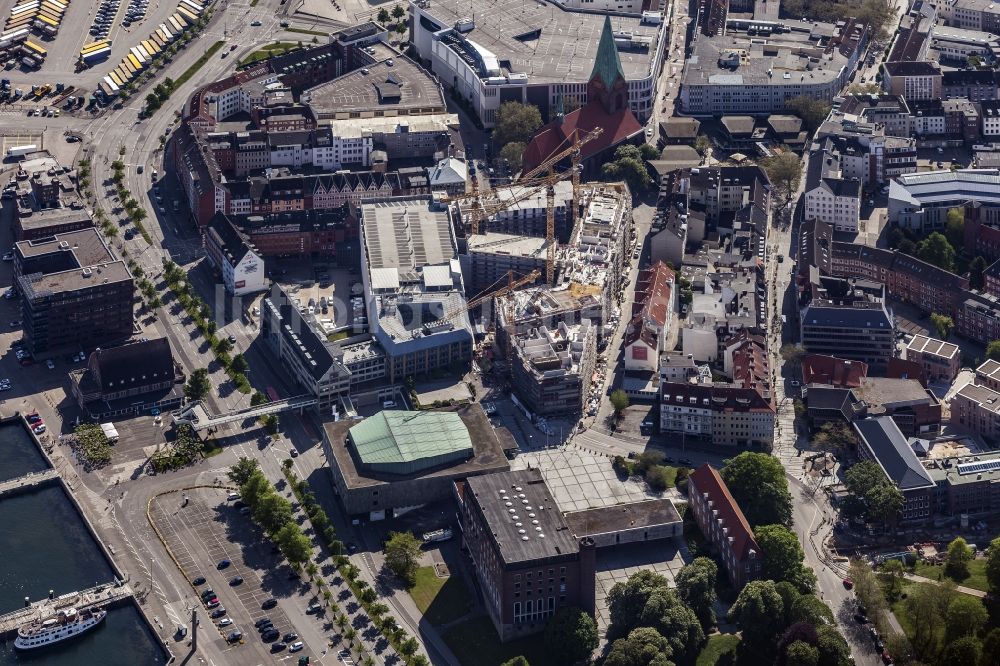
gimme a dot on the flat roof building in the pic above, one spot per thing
(398, 460)
(413, 286)
(396, 86)
(940, 360)
(755, 66)
(75, 293)
(526, 559)
(500, 50)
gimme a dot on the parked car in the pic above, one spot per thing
(223, 564)
(218, 612)
(261, 622)
(297, 645)
(269, 603)
(225, 622)
(200, 580)
(235, 580)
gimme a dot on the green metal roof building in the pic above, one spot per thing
(398, 442)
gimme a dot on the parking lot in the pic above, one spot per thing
(201, 535)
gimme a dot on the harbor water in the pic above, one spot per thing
(46, 545)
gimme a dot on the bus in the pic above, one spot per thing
(272, 395)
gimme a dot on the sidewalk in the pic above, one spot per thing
(964, 590)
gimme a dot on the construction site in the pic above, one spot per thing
(547, 255)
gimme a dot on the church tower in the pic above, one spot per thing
(607, 85)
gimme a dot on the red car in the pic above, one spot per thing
(848, 584)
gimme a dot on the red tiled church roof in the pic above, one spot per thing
(618, 127)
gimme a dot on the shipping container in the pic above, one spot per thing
(192, 7)
(177, 23)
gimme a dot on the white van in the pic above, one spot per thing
(388, 404)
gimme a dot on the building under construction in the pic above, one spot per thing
(589, 266)
(551, 368)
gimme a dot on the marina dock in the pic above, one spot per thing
(105, 595)
(27, 481)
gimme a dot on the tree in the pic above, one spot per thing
(198, 385)
(512, 154)
(242, 470)
(837, 437)
(942, 324)
(993, 566)
(667, 614)
(812, 111)
(927, 606)
(383, 16)
(935, 249)
(801, 653)
(257, 398)
(954, 228)
(956, 563)
(758, 484)
(239, 363)
(757, 611)
(626, 600)
(402, 550)
(516, 661)
(833, 649)
(409, 647)
(516, 122)
(993, 350)
(702, 144)
(792, 353)
(224, 346)
(966, 616)
(696, 587)
(648, 152)
(619, 400)
(272, 512)
(570, 636)
(963, 651)
(628, 165)
(991, 649)
(891, 576)
(868, 483)
(643, 646)
(782, 556)
(398, 12)
(784, 171)
(808, 608)
(977, 268)
(294, 545)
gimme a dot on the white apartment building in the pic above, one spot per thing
(829, 197)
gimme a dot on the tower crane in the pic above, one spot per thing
(528, 184)
(511, 285)
(573, 151)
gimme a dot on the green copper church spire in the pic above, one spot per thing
(607, 64)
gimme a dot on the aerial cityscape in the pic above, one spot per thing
(500, 332)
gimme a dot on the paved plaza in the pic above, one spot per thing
(581, 480)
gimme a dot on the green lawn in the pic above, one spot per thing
(441, 600)
(307, 32)
(267, 51)
(976, 579)
(198, 64)
(475, 641)
(901, 613)
(717, 646)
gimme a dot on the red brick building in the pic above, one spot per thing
(724, 526)
(525, 558)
